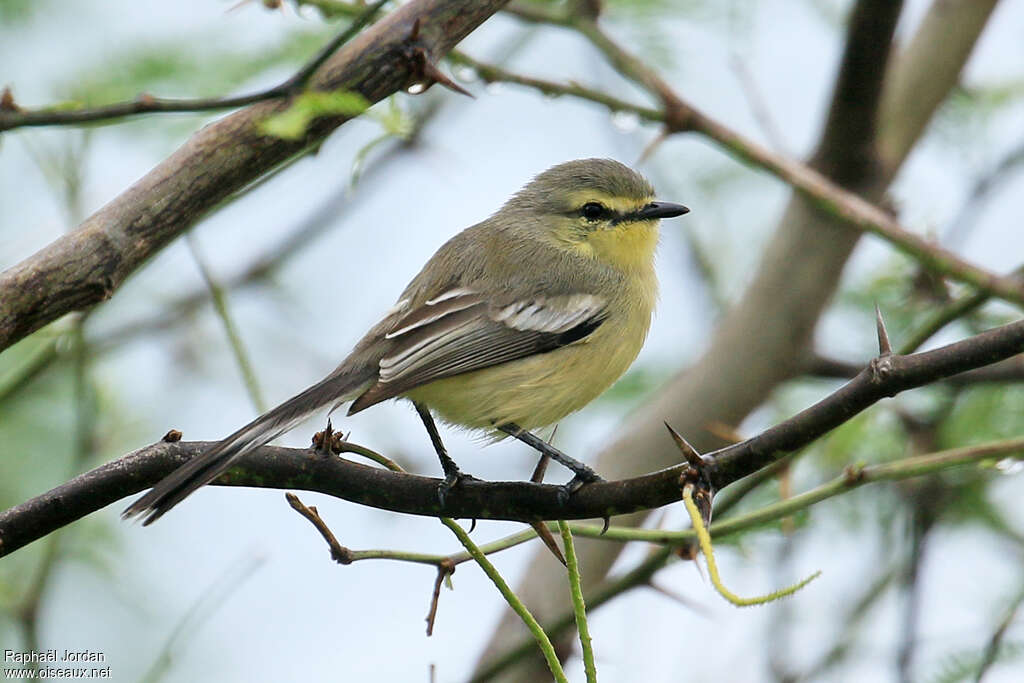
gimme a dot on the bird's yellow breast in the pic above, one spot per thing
(540, 390)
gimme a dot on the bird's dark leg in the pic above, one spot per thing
(452, 474)
(582, 473)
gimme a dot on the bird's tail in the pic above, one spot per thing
(338, 387)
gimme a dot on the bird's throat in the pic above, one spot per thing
(628, 247)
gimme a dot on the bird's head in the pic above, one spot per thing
(597, 207)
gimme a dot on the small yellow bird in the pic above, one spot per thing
(513, 324)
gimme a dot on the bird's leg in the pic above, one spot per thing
(582, 474)
(452, 474)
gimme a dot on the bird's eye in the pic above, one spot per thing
(592, 211)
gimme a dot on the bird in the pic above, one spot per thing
(514, 323)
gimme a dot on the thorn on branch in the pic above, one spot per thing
(444, 570)
(542, 466)
(424, 72)
(884, 346)
(688, 451)
(694, 480)
(549, 540)
(339, 553)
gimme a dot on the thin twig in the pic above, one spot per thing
(220, 305)
(852, 477)
(208, 602)
(80, 270)
(705, 545)
(61, 115)
(578, 604)
(844, 643)
(543, 642)
(992, 647)
(947, 314)
(339, 553)
(638, 576)
(680, 117)
(758, 106)
(315, 225)
(983, 187)
(39, 359)
(443, 572)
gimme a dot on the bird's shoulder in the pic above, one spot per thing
(501, 273)
(506, 263)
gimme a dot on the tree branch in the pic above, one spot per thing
(85, 267)
(820, 180)
(12, 116)
(276, 467)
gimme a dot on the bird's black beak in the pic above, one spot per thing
(656, 210)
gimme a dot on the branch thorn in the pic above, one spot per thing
(549, 540)
(688, 451)
(542, 466)
(434, 74)
(423, 70)
(884, 346)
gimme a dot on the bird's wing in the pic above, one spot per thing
(461, 331)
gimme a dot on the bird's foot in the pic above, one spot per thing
(452, 478)
(582, 478)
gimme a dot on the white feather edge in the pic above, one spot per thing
(451, 295)
(541, 314)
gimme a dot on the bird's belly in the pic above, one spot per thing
(533, 392)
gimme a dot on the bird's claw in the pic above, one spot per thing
(451, 479)
(581, 479)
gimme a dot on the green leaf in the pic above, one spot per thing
(292, 123)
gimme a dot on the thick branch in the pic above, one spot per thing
(277, 467)
(86, 266)
(1008, 371)
(916, 84)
